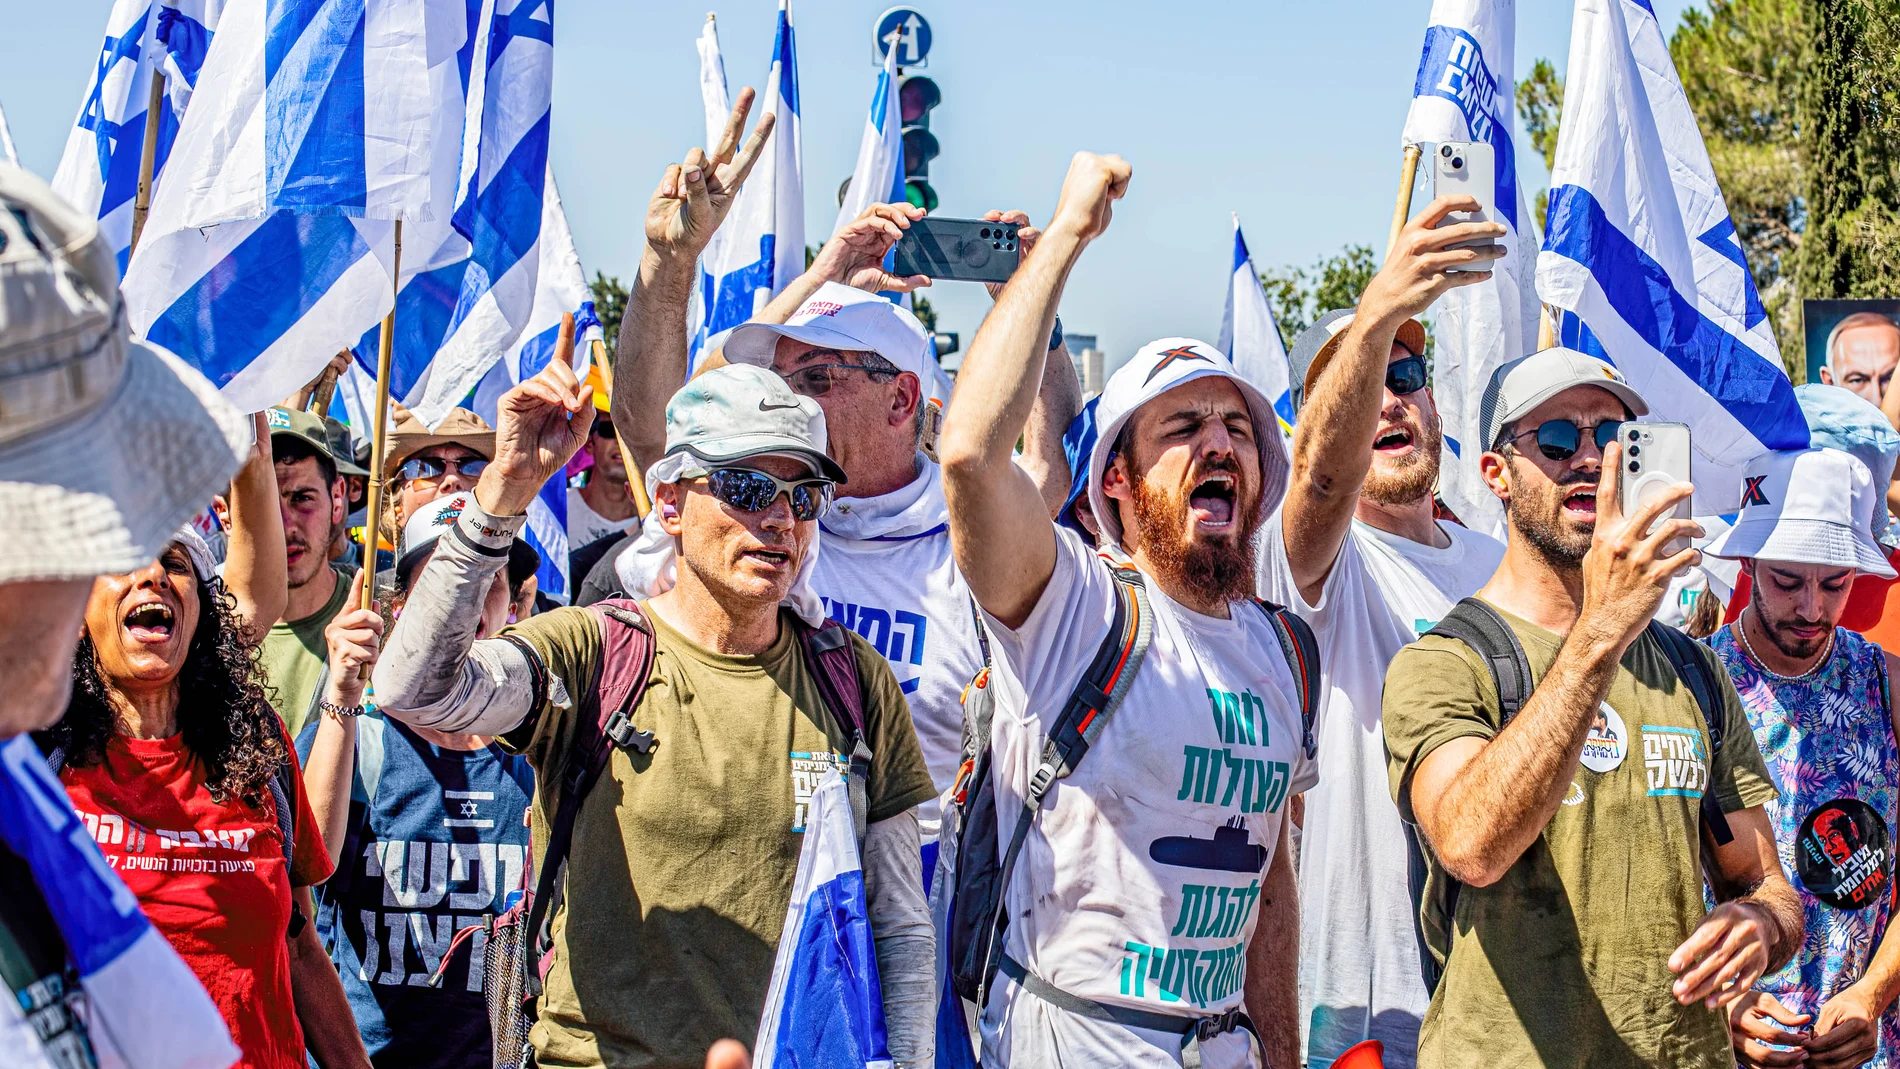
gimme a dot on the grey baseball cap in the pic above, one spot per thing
(1523, 384)
(1317, 344)
(743, 410)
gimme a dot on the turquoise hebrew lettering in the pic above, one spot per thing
(1239, 719)
(1260, 785)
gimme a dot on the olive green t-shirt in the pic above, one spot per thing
(294, 653)
(1564, 961)
(681, 866)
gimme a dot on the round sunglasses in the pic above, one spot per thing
(751, 490)
(1559, 439)
(428, 469)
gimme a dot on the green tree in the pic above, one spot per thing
(1299, 295)
(1849, 138)
(1540, 103)
(610, 304)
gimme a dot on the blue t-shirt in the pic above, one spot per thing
(443, 843)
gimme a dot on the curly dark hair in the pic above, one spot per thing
(223, 714)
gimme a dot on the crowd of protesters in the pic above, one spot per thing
(1461, 800)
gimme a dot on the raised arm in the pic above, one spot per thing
(1058, 398)
(1481, 803)
(855, 257)
(650, 355)
(354, 638)
(433, 673)
(1332, 445)
(999, 524)
(255, 570)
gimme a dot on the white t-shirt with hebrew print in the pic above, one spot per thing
(1359, 971)
(1140, 883)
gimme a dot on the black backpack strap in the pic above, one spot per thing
(1301, 650)
(1479, 626)
(283, 789)
(1097, 695)
(1693, 669)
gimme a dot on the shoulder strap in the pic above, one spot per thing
(833, 663)
(1097, 695)
(1693, 669)
(1301, 650)
(603, 721)
(283, 789)
(1479, 626)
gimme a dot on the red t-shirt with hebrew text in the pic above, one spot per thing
(211, 877)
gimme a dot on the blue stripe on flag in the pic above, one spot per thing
(1751, 389)
(1240, 257)
(506, 219)
(186, 39)
(787, 58)
(424, 309)
(242, 305)
(734, 305)
(1452, 66)
(832, 980)
(537, 352)
(314, 144)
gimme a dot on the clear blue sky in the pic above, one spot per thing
(1288, 113)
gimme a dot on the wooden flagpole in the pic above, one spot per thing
(379, 439)
(1546, 328)
(1408, 174)
(636, 479)
(148, 157)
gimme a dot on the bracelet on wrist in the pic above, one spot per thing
(342, 712)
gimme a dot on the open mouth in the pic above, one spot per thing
(1212, 502)
(1395, 440)
(150, 622)
(1581, 502)
(771, 558)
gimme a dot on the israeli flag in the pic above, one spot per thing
(879, 175)
(824, 1007)
(562, 288)
(717, 101)
(99, 172)
(1640, 248)
(143, 1006)
(315, 126)
(764, 247)
(1250, 337)
(1464, 92)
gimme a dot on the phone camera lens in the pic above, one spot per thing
(1457, 162)
(996, 244)
(1635, 467)
(1444, 150)
(1636, 450)
(1635, 434)
(985, 232)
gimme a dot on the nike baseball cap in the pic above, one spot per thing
(1315, 347)
(739, 411)
(1158, 367)
(1523, 384)
(844, 318)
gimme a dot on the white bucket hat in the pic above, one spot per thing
(106, 445)
(1807, 506)
(1158, 367)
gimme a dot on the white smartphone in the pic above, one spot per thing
(1470, 168)
(1655, 457)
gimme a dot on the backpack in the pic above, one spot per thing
(974, 865)
(605, 721)
(1478, 625)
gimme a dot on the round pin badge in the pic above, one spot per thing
(1608, 741)
(1842, 854)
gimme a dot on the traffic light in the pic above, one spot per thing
(916, 95)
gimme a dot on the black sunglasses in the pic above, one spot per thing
(426, 468)
(1405, 376)
(603, 428)
(817, 380)
(750, 490)
(1559, 439)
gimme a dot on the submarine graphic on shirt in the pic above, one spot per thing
(1230, 850)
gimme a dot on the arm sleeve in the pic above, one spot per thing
(433, 673)
(1737, 775)
(1434, 693)
(1049, 652)
(904, 937)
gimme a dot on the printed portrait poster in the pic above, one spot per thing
(1819, 320)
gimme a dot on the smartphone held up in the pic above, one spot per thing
(1468, 168)
(958, 250)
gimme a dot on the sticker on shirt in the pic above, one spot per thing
(1675, 761)
(1231, 849)
(1842, 854)
(807, 770)
(1608, 741)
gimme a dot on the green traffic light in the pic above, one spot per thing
(920, 195)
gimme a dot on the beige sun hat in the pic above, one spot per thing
(107, 445)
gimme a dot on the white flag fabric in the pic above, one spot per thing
(1464, 92)
(314, 127)
(1640, 252)
(824, 1006)
(717, 103)
(99, 172)
(562, 288)
(764, 245)
(1251, 338)
(879, 176)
